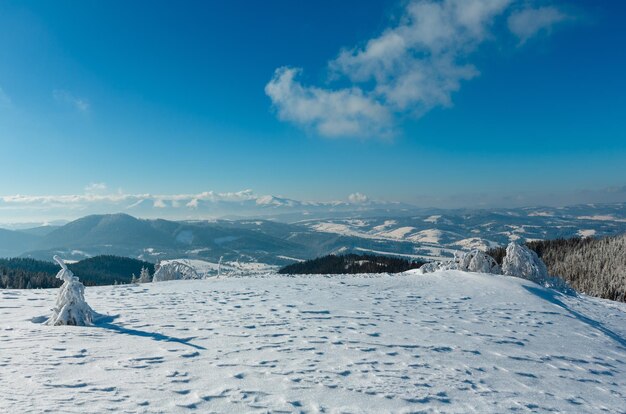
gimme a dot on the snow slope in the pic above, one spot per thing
(442, 342)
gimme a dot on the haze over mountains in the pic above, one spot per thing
(285, 238)
(182, 206)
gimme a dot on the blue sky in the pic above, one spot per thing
(413, 101)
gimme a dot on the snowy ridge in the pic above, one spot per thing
(445, 342)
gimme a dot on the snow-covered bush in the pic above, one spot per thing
(174, 271)
(144, 276)
(431, 267)
(472, 261)
(478, 261)
(70, 307)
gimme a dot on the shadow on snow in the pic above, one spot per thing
(106, 322)
(551, 296)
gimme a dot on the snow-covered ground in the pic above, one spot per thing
(441, 342)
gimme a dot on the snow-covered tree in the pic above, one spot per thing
(70, 307)
(144, 276)
(437, 266)
(477, 261)
(174, 271)
(522, 262)
(472, 261)
(219, 266)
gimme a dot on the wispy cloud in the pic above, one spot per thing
(124, 200)
(528, 22)
(95, 188)
(67, 98)
(411, 68)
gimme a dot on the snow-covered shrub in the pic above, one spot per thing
(437, 266)
(477, 261)
(174, 271)
(144, 276)
(472, 261)
(70, 307)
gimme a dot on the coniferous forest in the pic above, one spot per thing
(593, 266)
(351, 263)
(24, 273)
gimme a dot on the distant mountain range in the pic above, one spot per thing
(425, 234)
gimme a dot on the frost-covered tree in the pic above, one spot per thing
(70, 307)
(435, 266)
(219, 266)
(174, 271)
(472, 261)
(477, 261)
(594, 266)
(144, 276)
(520, 261)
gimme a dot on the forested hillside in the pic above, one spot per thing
(351, 263)
(596, 267)
(22, 273)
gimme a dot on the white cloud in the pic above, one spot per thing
(528, 22)
(94, 195)
(410, 68)
(358, 198)
(159, 203)
(65, 97)
(95, 188)
(342, 112)
(5, 100)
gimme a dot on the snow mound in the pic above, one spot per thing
(70, 307)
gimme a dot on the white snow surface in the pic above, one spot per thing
(442, 342)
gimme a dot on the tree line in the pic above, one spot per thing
(25, 273)
(593, 266)
(351, 263)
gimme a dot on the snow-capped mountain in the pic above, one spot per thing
(429, 234)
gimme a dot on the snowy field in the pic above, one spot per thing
(442, 342)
